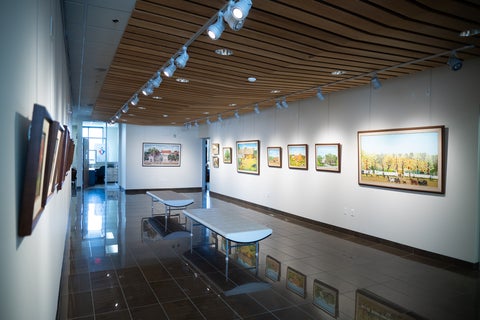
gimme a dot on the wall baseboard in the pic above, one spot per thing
(431, 258)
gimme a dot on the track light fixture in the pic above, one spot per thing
(236, 115)
(375, 82)
(208, 121)
(148, 89)
(215, 30)
(233, 23)
(320, 94)
(278, 105)
(284, 103)
(170, 70)
(125, 108)
(219, 118)
(134, 100)
(182, 59)
(257, 111)
(157, 80)
(454, 62)
(241, 9)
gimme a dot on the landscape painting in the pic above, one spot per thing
(327, 157)
(410, 159)
(296, 282)
(274, 156)
(161, 155)
(248, 156)
(298, 156)
(325, 297)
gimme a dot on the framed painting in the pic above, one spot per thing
(34, 176)
(161, 155)
(327, 157)
(409, 159)
(296, 282)
(325, 297)
(369, 306)
(246, 255)
(248, 156)
(274, 157)
(298, 156)
(216, 161)
(215, 149)
(272, 268)
(227, 155)
(61, 159)
(53, 148)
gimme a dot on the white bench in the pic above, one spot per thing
(171, 200)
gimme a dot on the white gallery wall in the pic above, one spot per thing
(446, 224)
(34, 70)
(133, 175)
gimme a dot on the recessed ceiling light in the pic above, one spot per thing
(232, 104)
(224, 52)
(206, 112)
(275, 91)
(141, 108)
(338, 72)
(157, 98)
(252, 79)
(182, 80)
(165, 115)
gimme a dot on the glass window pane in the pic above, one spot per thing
(96, 133)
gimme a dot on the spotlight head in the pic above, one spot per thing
(182, 59)
(232, 22)
(454, 62)
(134, 100)
(284, 103)
(375, 82)
(278, 105)
(257, 111)
(208, 121)
(219, 118)
(125, 108)
(215, 30)
(241, 8)
(320, 95)
(237, 115)
(148, 89)
(170, 70)
(157, 80)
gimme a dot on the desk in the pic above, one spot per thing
(230, 224)
(171, 200)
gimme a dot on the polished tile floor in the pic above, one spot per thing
(117, 267)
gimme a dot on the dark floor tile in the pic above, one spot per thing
(116, 315)
(78, 265)
(108, 300)
(138, 295)
(244, 305)
(212, 307)
(264, 316)
(103, 279)
(130, 276)
(271, 300)
(291, 313)
(151, 312)
(99, 262)
(80, 304)
(194, 286)
(177, 267)
(181, 310)
(167, 290)
(155, 272)
(79, 282)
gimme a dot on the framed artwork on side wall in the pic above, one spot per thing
(327, 157)
(248, 156)
(409, 159)
(298, 156)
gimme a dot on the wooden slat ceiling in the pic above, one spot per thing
(291, 46)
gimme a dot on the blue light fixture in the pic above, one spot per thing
(215, 30)
(320, 94)
(241, 9)
(170, 70)
(375, 82)
(182, 59)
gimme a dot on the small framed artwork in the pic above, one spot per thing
(246, 255)
(61, 160)
(248, 156)
(161, 155)
(274, 157)
(227, 155)
(34, 178)
(369, 305)
(296, 282)
(298, 156)
(410, 159)
(215, 149)
(272, 268)
(327, 157)
(325, 297)
(54, 141)
(216, 161)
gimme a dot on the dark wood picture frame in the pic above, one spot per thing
(161, 154)
(227, 155)
(62, 159)
(297, 156)
(215, 149)
(34, 180)
(328, 157)
(406, 158)
(54, 140)
(274, 157)
(272, 268)
(248, 156)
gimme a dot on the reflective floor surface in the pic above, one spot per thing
(117, 266)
